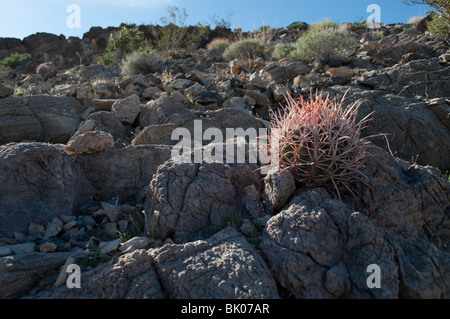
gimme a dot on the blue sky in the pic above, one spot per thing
(20, 18)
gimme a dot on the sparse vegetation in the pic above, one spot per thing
(222, 22)
(14, 60)
(322, 26)
(140, 62)
(175, 34)
(440, 25)
(125, 41)
(283, 51)
(245, 49)
(218, 44)
(298, 26)
(313, 45)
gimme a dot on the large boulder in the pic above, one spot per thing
(425, 78)
(225, 266)
(39, 118)
(320, 247)
(413, 129)
(234, 270)
(38, 182)
(124, 172)
(20, 274)
(186, 200)
(18, 122)
(102, 121)
(59, 117)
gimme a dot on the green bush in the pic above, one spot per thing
(107, 58)
(283, 51)
(297, 26)
(440, 25)
(123, 42)
(245, 49)
(14, 60)
(314, 45)
(140, 62)
(218, 44)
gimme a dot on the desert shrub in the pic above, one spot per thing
(175, 34)
(324, 25)
(121, 43)
(223, 22)
(320, 142)
(283, 51)
(140, 62)
(376, 35)
(14, 60)
(245, 49)
(107, 58)
(313, 45)
(298, 26)
(218, 44)
(440, 25)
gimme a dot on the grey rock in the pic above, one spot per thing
(22, 249)
(283, 71)
(54, 228)
(114, 212)
(70, 225)
(135, 243)
(5, 251)
(18, 122)
(59, 117)
(5, 90)
(36, 229)
(425, 77)
(261, 99)
(108, 247)
(208, 97)
(165, 110)
(235, 102)
(441, 108)
(90, 142)
(103, 104)
(84, 221)
(247, 228)
(130, 276)
(48, 247)
(413, 130)
(49, 185)
(124, 172)
(19, 274)
(319, 247)
(306, 240)
(224, 266)
(111, 230)
(185, 199)
(160, 134)
(278, 187)
(127, 110)
(108, 122)
(280, 93)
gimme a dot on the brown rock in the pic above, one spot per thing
(90, 142)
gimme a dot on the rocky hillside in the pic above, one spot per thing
(87, 176)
